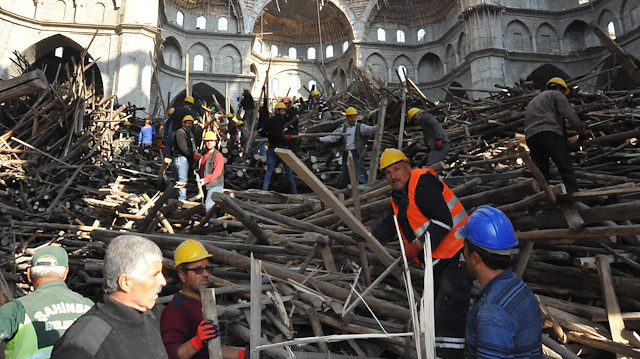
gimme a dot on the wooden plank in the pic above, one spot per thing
(616, 323)
(23, 85)
(209, 311)
(255, 323)
(377, 142)
(231, 206)
(355, 195)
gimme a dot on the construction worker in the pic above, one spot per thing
(435, 138)
(183, 327)
(248, 105)
(356, 143)
(211, 169)
(176, 119)
(232, 129)
(125, 130)
(165, 141)
(273, 129)
(505, 320)
(426, 208)
(146, 137)
(291, 125)
(122, 325)
(185, 155)
(30, 324)
(546, 134)
(323, 110)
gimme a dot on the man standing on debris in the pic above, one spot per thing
(273, 129)
(323, 110)
(176, 121)
(185, 155)
(355, 143)
(211, 169)
(146, 137)
(122, 325)
(505, 320)
(185, 332)
(546, 132)
(426, 208)
(32, 324)
(248, 105)
(291, 124)
(434, 136)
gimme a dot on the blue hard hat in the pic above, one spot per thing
(490, 229)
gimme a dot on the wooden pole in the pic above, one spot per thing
(256, 297)
(187, 88)
(209, 311)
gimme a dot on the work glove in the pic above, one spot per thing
(318, 139)
(246, 354)
(196, 157)
(288, 137)
(438, 145)
(206, 330)
(412, 250)
(201, 182)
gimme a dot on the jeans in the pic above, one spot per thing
(209, 202)
(181, 167)
(272, 161)
(361, 172)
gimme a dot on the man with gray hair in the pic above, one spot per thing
(33, 323)
(121, 326)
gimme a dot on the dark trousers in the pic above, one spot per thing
(452, 288)
(361, 172)
(548, 145)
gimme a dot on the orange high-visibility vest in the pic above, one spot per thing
(419, 223)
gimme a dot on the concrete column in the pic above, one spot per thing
(38, 13)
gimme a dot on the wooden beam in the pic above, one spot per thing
(616, 324)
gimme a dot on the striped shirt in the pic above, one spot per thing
(505, 321)
(322, 105)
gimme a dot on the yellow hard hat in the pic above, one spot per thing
(229, 115)
(559, 81)
(391, 156)
(245, 89)
(412, 112)
(189, 99)
(351, 111)
(210, 136)
(280, 105)
(127, 123)
(187, 118)
(189, 251)
(171, 110)
(239, 122)
(315, 93)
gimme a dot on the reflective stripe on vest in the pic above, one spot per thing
(419, 223)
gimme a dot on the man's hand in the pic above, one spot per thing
(206, 330)
(246, 354)
(438, 145)
(201, 182)
(196, 157)
(288, 137)
(412, 250)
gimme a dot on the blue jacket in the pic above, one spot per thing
(147, 135)
(505, 321)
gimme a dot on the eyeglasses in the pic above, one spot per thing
(199, 270)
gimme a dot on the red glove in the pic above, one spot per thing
(412, 250)
(206, 330)
(196, 157)
(246, 354)
(288, 137)
(438, 145)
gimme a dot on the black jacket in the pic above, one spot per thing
(272, 129)
(184, 144)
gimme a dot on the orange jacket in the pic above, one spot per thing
(419, 223)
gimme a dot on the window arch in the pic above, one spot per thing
(382, 34)
(311, 53)
(223, 24)
(329, 51)
(274, 50)
(201, 22)
(293, 53)
(402, 70)
(345, 46)
(312, 86)
(400, 36)
(198, 63)
(421, 34)
(275, 85)
(180, 18)
(611, 29)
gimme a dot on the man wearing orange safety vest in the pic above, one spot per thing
(426, 207)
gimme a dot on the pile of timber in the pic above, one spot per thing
(69, 179)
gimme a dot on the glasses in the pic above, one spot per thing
(199, 270)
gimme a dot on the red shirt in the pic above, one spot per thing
(179, 323)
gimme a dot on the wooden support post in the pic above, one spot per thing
(209, 311)
(616, 323)
(355, 195)
(23, 85)
(377, 143)
(256, 298)
(230, 206)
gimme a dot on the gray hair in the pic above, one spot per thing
(131, 255)
(41, 272)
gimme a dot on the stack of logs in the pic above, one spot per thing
(67, 180)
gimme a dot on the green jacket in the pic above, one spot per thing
(33, 323)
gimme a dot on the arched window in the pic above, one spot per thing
(198, 63)
(201, 22)
(402, 70)
(345, 46)
(260, 46)
(294, 84)
(311, 53)
(382, 35)
(223, 24)
(611, 28)
(293, 54)
(274, 50)
(59, 52)
(275, 85)
(400, 36)
(180, 18)
(312, 85)
(421, 34)
(329, 51)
